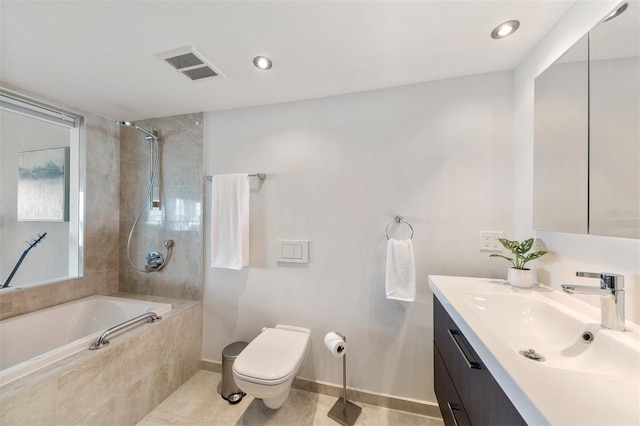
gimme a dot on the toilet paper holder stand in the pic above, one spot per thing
(343, 411)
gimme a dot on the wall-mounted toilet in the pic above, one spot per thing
(266, 368)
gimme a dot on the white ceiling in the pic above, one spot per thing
(99, 55)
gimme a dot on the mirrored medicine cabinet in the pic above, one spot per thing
(41, 192)
(587, 133)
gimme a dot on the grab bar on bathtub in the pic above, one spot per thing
(102, 340)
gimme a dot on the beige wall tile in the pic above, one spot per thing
(180, 217)
(35, 405)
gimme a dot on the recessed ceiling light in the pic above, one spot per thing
(617, 12)
(262, 62)
(505, 29)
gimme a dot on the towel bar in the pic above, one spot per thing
(398, 219)
(261, 176)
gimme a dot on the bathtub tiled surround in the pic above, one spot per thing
(35, 340)
(118, 384)
(102, 204)
(180, 217)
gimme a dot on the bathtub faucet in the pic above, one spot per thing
(156, 261)
(611, 293)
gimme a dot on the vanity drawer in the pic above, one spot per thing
(450, 405)
(484, 401)
(462, 362)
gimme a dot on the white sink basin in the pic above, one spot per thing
(527, 321)
(578, 383)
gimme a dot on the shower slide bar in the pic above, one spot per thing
(261, 176)
(102, 340)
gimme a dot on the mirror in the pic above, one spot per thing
(614, 129)
(561, 154)
(40, 216)
(587, 138)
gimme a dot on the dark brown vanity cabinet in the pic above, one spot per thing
(467, 392)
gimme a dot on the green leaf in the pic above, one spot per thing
(519, 250)
(504, 257)
(508, 244)
(499, 255)
(525, 246)
(535, 255)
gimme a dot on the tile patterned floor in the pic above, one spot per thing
(198, 402)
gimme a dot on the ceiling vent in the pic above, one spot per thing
(190, 63)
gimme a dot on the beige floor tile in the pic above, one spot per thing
(162, 418)
(198, 402)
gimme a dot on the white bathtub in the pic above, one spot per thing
(32, 341)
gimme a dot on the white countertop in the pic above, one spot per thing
(556, 391)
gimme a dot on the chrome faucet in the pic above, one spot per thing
(611, 293)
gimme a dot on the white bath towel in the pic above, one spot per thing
(401, 271)
(230, 221)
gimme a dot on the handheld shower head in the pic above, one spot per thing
(155, 261)
(148, 134)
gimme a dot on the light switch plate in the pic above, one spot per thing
(293, 251)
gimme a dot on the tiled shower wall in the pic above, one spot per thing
(102, 205)
(180, 216)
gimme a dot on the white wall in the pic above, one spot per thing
(339, 169)
(571, 252)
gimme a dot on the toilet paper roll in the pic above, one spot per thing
(335, 344)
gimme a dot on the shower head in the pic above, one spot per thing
(148, 134)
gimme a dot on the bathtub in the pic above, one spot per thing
(32, 341)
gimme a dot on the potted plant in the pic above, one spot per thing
(518, 275)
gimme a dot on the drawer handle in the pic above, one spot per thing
(468, 358)
(453, 407)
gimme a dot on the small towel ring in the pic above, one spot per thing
(398, 219)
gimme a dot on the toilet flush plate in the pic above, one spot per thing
(293, 251)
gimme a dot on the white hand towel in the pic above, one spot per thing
(401, 271)
(230, 221)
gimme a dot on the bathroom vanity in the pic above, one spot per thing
(509, 356)
(467, 392)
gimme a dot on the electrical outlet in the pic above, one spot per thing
(485, 240)
(489, 241)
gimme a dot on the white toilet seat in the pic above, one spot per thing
(259, 381)
(273, 357)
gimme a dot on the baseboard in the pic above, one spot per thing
(214, 366)
(355, 395)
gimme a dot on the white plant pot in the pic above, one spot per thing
(522, 278)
